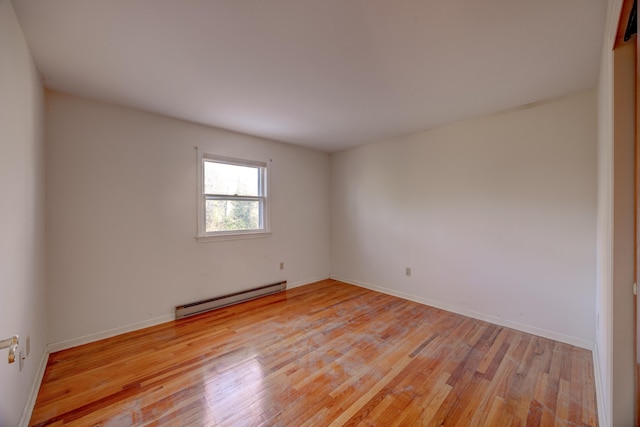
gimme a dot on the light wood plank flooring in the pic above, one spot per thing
(325, 354)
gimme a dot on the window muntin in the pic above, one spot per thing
(234, 197)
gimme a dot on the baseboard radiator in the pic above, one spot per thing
(197, 307)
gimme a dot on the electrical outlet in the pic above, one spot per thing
(282, 266)
(21, 358)
(407, 271)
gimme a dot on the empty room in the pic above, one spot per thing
(318, 213)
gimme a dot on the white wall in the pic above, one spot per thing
(603, 343)
(22, 293)
(495, 216)
(614, 301)
(121, 218)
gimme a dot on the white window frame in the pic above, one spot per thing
(263, 184)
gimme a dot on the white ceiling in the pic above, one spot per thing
(328, 74)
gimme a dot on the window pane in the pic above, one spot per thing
(232, 180)
(230, 215)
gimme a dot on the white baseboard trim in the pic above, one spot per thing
(597, 372)
(97, 336)
(74, 342)
(306, 282)
(578, 342)
(33, 393)
(86, 339)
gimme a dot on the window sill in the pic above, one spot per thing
(233, 236)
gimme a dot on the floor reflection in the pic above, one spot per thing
(235, 396)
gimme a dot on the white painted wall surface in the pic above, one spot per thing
(22, 259)
(495, 216)
(604, 276)
(614, 311)
(121, 218)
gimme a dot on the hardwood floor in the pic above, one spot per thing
(326, 354)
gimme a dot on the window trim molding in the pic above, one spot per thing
(201, 234)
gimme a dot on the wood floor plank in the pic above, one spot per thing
(318, 355)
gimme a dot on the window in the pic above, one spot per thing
(233, 197)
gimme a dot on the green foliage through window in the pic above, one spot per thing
(234, 195)
(232, 215)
